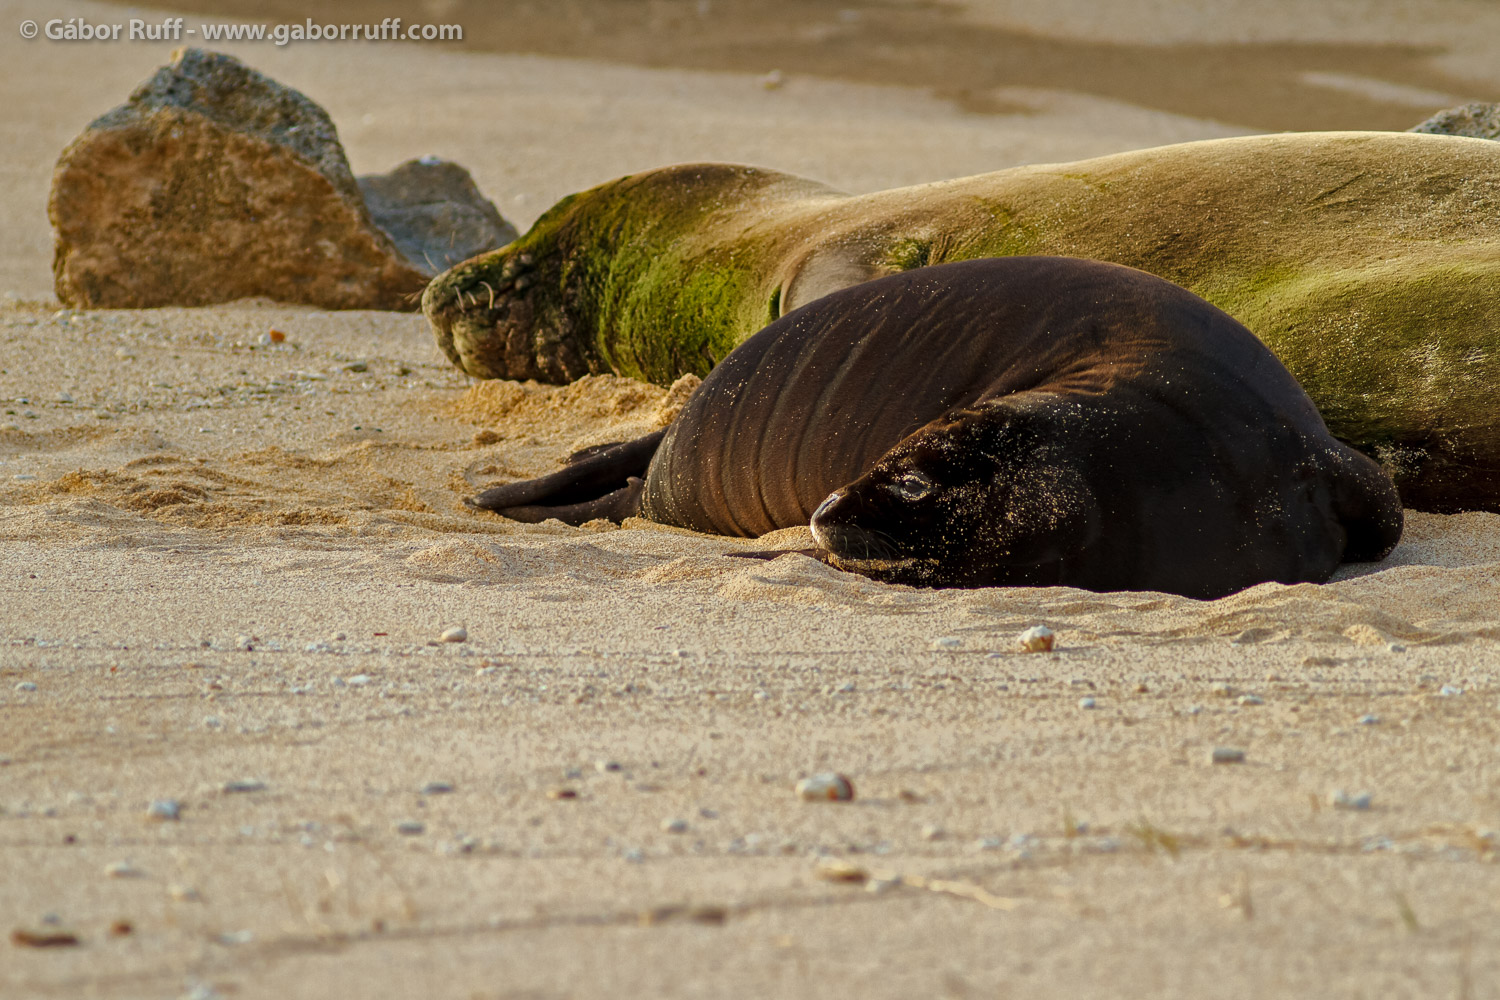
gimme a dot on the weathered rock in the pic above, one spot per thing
(1478, 121)
(213, 183)
(435, 214)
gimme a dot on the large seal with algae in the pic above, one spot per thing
(1369, 262)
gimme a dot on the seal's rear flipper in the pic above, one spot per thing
(617, 506)
(592, 475)
(1368, 507)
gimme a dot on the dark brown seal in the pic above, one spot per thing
(1009, 421)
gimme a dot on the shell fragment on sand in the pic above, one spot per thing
(828, 786)
(1037, 639)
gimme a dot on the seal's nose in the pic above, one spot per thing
(820, 533)
(823, 507)
(834, 532)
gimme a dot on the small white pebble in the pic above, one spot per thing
(26, 686)
(946, 642)
(1087, 703)
(1369, 720)
(1251, 699)
(122, 869)
(455, 634)
(1450, 691)
(1340, 799)
(411, 828)
(164, 809)
(1227, 755)
(933, 832)
(1037, 639)
(825, 787)
(486, 671)
(674, 826)
(359, 680)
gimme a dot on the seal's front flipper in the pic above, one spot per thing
(617, 506)
(591, 475)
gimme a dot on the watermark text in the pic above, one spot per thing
(176, 29)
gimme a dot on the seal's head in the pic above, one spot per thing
(631, 277)
(504, 314)
(984, 496)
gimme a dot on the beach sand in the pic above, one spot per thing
(227, 566)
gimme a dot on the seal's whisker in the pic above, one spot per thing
(486, 284)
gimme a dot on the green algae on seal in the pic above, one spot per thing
(1369, 263)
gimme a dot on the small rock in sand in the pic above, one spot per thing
(1037, 639)
(455, 634)
(164, 810)
(1226, 755)
(826, 787)
(1340, 799)
(1478, 120)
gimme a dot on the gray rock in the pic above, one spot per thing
(1479, 120)
(435, 214)
(214, 183)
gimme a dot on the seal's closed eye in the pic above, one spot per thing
(911, 486)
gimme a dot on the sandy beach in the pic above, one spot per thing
(227, 565)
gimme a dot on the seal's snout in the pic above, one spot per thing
(836, 531)
(490, 320)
